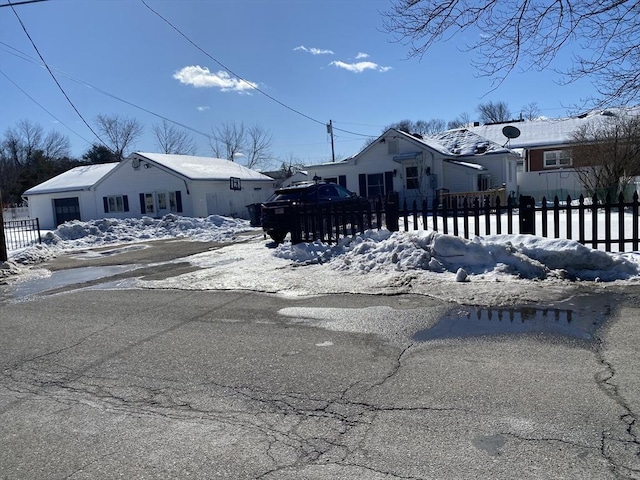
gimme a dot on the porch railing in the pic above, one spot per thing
(448, 200)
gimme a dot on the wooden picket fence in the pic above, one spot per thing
(593, 219)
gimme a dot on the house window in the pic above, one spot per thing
(115, 204)
(412, 178)
(234, 183)
(557, 158)
(375, 184)
(393, 147)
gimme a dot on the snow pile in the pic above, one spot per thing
(373, 262)
(94, 233)
(109, 230)
(519, 256)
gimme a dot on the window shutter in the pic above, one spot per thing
(388, 182)
(125, 201)
(362, 180)
(142, 207)
(342, 180)
(105, 202)
(178, 201)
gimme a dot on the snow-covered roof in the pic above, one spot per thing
(547, 132)
(463, 142)
(460, 143)
(202, 168)
(78, 178)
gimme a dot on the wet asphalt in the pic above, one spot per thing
(128, 383)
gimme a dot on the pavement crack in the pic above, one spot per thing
(611, 445)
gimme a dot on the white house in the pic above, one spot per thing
(149, 184)
(546, 164)
(456, 161)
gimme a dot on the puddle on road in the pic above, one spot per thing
(63, 278)
(579, 318)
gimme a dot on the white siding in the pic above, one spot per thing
(42, 207)
(549, 184)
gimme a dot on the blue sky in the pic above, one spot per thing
(311, 61)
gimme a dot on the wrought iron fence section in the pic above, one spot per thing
(22, 233)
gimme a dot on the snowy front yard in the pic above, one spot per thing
(492, 269)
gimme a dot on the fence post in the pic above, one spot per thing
(569, 219)
(581, 209)
(621, 223)
(3, 243)
(392, 217)
(635, 234)
(527, 215)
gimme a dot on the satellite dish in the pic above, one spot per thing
(510, 131)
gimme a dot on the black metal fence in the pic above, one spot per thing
(590, 221)
(21, 233)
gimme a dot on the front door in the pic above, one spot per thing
(66, 209)
(163, 203)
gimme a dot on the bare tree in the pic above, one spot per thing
(606, 155)
(171, 139)
(257, 146)
(430, 127)
(405, 126)
(227, 141)
(121, 132)
(530, 111)
(530, 35)
(56, 145)
(421, 127)
(494, 112)
(22, 142)
(28, 156)
(462, 120)
(231, 141)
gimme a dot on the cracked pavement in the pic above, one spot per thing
(239, 385)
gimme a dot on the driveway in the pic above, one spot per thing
(106, 381)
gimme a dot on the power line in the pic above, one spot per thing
(30, 59)
(24, 2)
(54, 77)
(34, 101)
(251, 85)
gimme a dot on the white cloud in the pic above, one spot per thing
(313, 50)
(201, 77)
(360, 67)
(202, 108)
(362, 55)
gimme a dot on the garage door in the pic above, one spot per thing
(66, 209)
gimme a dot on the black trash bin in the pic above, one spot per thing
(255, 214)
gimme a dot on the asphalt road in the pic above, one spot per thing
(103, 384)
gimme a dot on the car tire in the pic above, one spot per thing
(278, 237)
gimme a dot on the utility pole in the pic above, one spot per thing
(330, 132)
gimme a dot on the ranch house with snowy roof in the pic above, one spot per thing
(546, 164)
(455, 164)
(148, 184)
